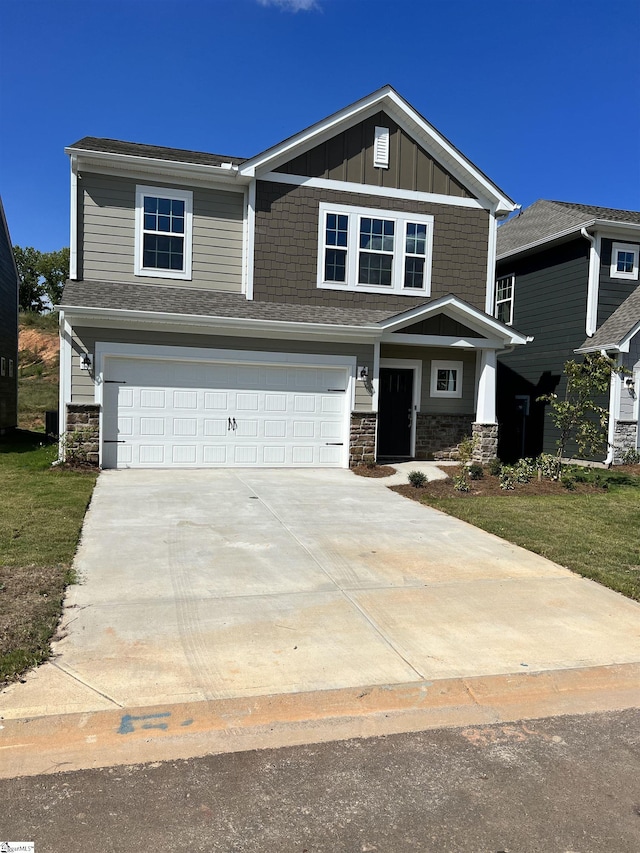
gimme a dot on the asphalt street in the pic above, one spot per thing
(555, 785)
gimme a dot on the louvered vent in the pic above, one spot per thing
(381, 148)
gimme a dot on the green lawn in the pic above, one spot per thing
(595, 535)
(41, 513)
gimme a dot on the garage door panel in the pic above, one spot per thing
(203, 416)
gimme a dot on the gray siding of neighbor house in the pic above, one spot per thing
(348, 156)
(550, 303)
(631, 361)
(612, 291)
(286, 248)
(106, 224)
(464, 405)
(8, 330)
(84, 340)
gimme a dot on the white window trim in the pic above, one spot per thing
(174, 194)
(401, 219)
(446, 365)
(503, 301)
(634, 249)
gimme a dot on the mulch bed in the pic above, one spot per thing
(373, 470)
(489, 486)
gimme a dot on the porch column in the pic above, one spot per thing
(486, 407)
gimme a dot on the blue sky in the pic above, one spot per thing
(543, 96)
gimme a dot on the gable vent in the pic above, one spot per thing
(381, 148)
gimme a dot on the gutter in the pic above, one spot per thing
(225, 170)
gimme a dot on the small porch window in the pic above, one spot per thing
(446, 379)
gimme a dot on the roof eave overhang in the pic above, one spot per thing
(406, 116)
(605, 227)
(87, 158)
(229, 325)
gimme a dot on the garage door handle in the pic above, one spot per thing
(334, 443)
(113, 441)
(232, 424)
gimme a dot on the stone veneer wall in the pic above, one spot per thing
(82, 435)
(439, 436)
(485, 437)
(362, 438)
(625, 436)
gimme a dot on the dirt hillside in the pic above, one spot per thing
(38, 345)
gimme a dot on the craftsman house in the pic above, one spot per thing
(9, 289)
(326, 302)
(567, 274)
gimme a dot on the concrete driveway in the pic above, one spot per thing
(209, 585)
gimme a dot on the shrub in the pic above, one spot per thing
(524, 470)
(460, 483)
(548, 465)
(631, 457)
(494, 467)
(569, 483)
(507, 478)
(417, 478)
(476, 471)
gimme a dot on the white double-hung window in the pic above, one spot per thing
(163, 232)
(374, 251)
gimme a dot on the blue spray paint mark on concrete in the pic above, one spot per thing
(186, 722)
(127, 722)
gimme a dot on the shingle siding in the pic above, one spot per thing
(286, 248)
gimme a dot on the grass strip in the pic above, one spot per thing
(595, 535)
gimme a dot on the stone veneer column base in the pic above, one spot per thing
(485, 438)
(625, 438)
(82, 434)
(362, 438)
(439, 436)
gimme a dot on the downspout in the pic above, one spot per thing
(593, 280)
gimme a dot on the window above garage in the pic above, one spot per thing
(164, 221)
(374, 251)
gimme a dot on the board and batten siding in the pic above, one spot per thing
(84, 340)
(348, 156)
(464, 405)
(107, 233)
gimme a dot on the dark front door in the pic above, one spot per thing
(395, 411)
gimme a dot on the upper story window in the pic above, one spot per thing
(504, 299)
(374, 251)
(163, 232)
(624, 260)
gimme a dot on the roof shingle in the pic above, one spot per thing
(155, 152)
(614, 330)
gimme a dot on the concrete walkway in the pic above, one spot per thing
(236, 585)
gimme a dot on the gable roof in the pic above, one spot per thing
(437, 145)
(409, 119)
(621, 326)
(545, 221)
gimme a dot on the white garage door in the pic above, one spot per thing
(159, 413)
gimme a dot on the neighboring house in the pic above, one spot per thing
(9, 292)
(320, 304)
(566, 272)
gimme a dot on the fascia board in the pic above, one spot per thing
(230, 325)
(170, 167)
(609, 229)
(611, 347)
(448, 341)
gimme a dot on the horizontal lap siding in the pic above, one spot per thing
(613, 291)
(84, 340)
(464, 405)
(108, 226)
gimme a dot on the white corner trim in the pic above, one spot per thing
(489, 303)
(376, 377)
(614, 412)
(370, 189)
(73, 220)
(593, 281)
(64, 393)
(250, 239)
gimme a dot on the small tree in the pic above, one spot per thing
(42, 276)
(578, 416)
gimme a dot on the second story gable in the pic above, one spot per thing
(371, 207)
